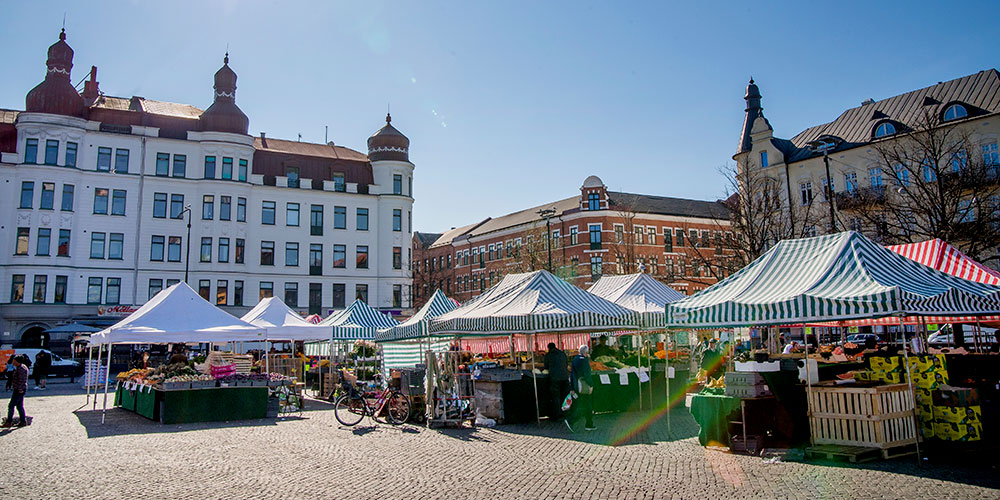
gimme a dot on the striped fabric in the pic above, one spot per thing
(407, 354)
(639, 292)
(835, 277)
(360, 321)
(948, 259)
(500, 345)
(533, 302)
(417, 325)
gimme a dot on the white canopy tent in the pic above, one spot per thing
(280, 322)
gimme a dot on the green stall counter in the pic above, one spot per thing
(713, 412)
(195, 405)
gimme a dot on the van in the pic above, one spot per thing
(60, 367)
(945, 337)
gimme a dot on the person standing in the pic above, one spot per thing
(19, 384)
(581, 381)
(602, 348)
(43, 361)
(557, 365)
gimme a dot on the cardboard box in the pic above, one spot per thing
(931, 380)
(925, 411)
(927, 363)
(949, 431)
(927, 429)
(946, 395)
(958, 414)
(866, 376)
(885, 364)
(891, 377)
(924, 396)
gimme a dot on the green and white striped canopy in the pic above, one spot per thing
(639, 292)
(359, 321)
(533, 302)
(406, 353)
(834, 277)
(417, 325)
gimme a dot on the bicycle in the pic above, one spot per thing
(353, 405)
(290, 403)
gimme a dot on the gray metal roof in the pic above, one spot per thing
(665, 205)
(426, 239)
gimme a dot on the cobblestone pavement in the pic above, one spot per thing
(67, 453)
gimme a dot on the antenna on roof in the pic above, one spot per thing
(326, 134)
(64, 21)
(300, 137)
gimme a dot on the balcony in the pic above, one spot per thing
(861, 197)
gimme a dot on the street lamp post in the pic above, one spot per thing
(825, 145)
(187, 257)
(547, 214)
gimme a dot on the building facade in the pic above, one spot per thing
(679, 241)
(916, 166)
(110, 200)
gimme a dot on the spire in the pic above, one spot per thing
(753, 111)
(224, 115)
(56, 93)
(388, 143)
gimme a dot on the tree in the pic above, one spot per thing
(431, 273)
(930, 181)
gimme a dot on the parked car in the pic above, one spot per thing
(945, 337)
(60, 367)
(866, 340)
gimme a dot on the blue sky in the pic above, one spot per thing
(513, 104)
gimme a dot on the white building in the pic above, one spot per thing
(93, 189)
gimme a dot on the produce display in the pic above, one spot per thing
(179, 373)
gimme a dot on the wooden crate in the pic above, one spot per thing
(874, 417)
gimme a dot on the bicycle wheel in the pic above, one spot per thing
(398, 408)
(349, 410)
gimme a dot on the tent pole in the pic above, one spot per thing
(90, 356)
(977, 335)
(534, 380)
(649, 366)
(100, 351)
(638, 362)
(666, 375)
(913, 394)
(805, 340)
(106, 379)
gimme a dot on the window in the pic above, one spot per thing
(292, 173)
(225, 207)
(990, 156)
(95, 288)
(763, 159)
(121, 161)
(339, 295)
(241, 209)
(315, 259)
(180, 165)
(966, 211)
(409, 220)
(680, 237)
(242, 176)
(884, 129)
(162, 164)
(339, 256)
(59, 296)
(340, 217)
(593, 201)
(240, 250)
(172, 282)
(855, 224)
(238, 290)
(954, 112)
(114, 291)
(118, 202)
(44, 241)
(693, 237)
(62, 248)
(361, 293)
(292, 295)
(902, 175)
(176, 205)
(223, 250)
(156, 248)
(362, 219)
(67, 198)
(875, 176)
(267, 253)
(668, 239)
(619, 233)
(227, 168)
(596, 267)
(409, 185)
(595, 236)
(17, 288)
(850, 182)
(316, 220)
(397, 257)
(38, 291)
(338, 182)
(221, 292)
(362, 259)
(291, 254)
(174, 249)
(27, 194)
(208, 207)
(51, 152)
(97, 245)
(267, 213)
(807, 194)
(397, 184)
(103, 159)
(397, 295)
(31, 151)
(266, 289)
(70, 160)
(206, 249)
(155, 286)
(397, 219)
(205, 289)
(574, 236)
(291, 214)
(638, 235)
(116, 244)
(959, 161)
(651, 231)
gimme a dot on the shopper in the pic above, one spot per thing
(557, 365)
(178, 357)
(19, 383)
(43, 361)
(580, 379)
(602, 348)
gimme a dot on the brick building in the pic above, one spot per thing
(682, 242)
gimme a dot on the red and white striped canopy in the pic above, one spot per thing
(948, 259)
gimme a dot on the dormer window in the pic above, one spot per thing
(884, 129)
(954, 112)
(593, 201)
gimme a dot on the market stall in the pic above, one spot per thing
(351, 343)
(838, 277)
(178, 315)
(281, 323)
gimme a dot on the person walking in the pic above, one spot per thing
(581, 382)
(43, 361)
(557, 365)
(19, 384)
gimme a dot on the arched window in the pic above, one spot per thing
(884, 129)
(954, 112)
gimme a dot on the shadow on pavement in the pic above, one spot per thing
(120, 422)
(982, 473)
(616, 429)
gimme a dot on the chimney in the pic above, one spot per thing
(90, 90)
(868, 101)
(263, 139)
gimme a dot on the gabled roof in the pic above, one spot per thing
(359, 321)
(449, 236)
(280, 322)
(141, 104)
(940, 255)
(524, 216)
(639, 292)
(418, 324)
(426, 239)
(666, 205)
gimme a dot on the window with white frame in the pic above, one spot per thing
(806, 190)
